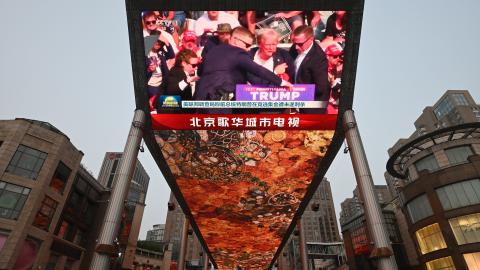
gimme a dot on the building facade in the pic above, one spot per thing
(152, 255)
(173, 235)
(439, 165)
(351, 207)
(80, 222)
(133, 209)
(157, 233)
(51, 207)
(356, 236)
(322, 237)
(318, 220)
(358, 241)
(38, 166)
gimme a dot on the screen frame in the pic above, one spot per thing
(355, 13)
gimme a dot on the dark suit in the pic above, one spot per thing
(210, 43)
(172, 88)
(279, 57)
(224, 67)
(314, 70)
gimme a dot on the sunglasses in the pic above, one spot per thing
(150, 22)
(336, 56)
(194, 65)
(300, 44)
(247, 45)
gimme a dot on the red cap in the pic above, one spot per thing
(189, 36)
(334, 49)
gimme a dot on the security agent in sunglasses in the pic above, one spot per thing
(181, 79)
(182, 75)
(310, 66)
(227, 65)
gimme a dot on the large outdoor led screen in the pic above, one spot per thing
(244, 105)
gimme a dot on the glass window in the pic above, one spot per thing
(60, 177)
(12, 199)
(66, 231)
(81, 184)
(430, 238)
(419, 208)
(392, 229)
(133, 196)
(79, 237)
(3, 238)
(69, 264)
(45, 213)
(112, 173)
(110, 180)
(427, 163)
(75, 199)
(472, 260)
(466, 228)
(28, 253)
(26, 162)
(89, 215)
(63, 229)
(459, 99)
(477, 113)
(443, 108)
(459, 154)
(445, 263)
(93, 194)
(52, 261)
(459, 194)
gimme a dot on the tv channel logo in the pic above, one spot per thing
(170, 101)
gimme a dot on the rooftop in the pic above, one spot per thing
(396, 165)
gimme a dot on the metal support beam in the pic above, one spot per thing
(281, 260)
(383, 251)
(205, 260)
(183, 245)
(303, 246)
(111, 224)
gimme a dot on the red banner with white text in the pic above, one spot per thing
(243, 122)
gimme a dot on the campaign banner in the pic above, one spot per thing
(299, 92)
(243, 122)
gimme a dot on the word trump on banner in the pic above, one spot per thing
(299, 92)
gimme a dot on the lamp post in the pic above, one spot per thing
(373, 213)
(105, 248)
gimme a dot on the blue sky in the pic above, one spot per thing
(69, 64)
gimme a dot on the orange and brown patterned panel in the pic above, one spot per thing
(243, 187)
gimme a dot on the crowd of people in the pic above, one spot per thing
(203, 55)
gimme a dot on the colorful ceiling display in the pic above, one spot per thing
(243, 187)
(245, 108)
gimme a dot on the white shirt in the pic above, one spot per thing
(299, 60)
(266, 64)
(204, 23)
(183, 84)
